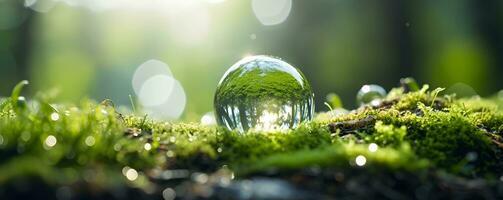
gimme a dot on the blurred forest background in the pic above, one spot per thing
(92, 48)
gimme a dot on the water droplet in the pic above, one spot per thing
(21, 102)
(130, 173)
(50, 142)
(368, 93)
(360, 160)
(147, 146)
(264, 94)
(373, 147)
(54, 116)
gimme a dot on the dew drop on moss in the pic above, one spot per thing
(262, 93)
(370, 93)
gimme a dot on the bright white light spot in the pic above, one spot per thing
(168, 194)
(172, 105)
(360, 160)
(147, 70)
(208, 119)
(147, 146)
(219, 150)
(90, 141)
(373, 147)
(130, 173)
(366, 88)
(1, 140)
(270, 12)
(54, 116)
(50, 141)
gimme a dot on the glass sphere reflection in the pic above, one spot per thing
(369, 94)
(264, 94)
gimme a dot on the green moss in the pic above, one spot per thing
(415, 132)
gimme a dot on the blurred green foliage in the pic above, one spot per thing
(339, 45)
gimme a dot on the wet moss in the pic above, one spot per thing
(415, 132)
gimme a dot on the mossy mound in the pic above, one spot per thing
(428, 146)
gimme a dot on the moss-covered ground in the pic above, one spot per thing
(429, 146)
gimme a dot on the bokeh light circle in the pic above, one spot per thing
(271, 12)
(173, 107)
(156, 90)
(147, 70)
